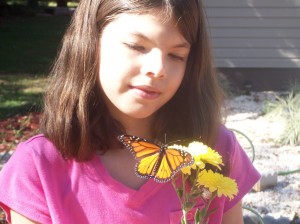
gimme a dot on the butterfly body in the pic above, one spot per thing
(155, 161)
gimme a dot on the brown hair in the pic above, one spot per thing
(75, 116)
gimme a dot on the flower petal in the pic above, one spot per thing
(203, 154)
(217, 182)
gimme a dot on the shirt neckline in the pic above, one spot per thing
(135, 196)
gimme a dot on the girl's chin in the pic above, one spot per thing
(139, 115)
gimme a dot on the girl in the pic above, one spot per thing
(141, 67)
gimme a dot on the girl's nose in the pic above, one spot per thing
(153, 64)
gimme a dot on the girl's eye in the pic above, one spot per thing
(135, 47)
(176, 57)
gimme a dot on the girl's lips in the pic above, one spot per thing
(146, 92)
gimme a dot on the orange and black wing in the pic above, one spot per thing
(145, 151)
(161, 163)
(171, 162)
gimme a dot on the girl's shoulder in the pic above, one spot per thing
(225, 139)
(40, 154)
(38, 145)
(38, 139)
(229, 147)
(37, 152)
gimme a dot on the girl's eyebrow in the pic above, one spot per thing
(184, 44)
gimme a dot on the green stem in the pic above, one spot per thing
(210, 200)
(184, 216)
(184, 198)
(175, 188)
(208, 205)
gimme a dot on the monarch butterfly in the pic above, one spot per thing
(158, 162)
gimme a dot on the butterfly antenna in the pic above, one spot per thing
(175, 141)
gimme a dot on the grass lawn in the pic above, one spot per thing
(29, 44)
(20, 94)
(28, 48)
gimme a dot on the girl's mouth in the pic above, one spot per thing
(146, 92)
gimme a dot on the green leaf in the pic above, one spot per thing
(212, 211)
(180, 192)
(189, 205)
(196, 194)
(182, 221)
(197, 216)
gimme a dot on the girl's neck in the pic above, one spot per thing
(140, 127)
(122, 171)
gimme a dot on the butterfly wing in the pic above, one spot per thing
(162, 163)
(146, 167)
(145, 151)
(171, 162)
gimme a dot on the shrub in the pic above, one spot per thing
(287, 107)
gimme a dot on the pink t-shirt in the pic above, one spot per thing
(39, 184)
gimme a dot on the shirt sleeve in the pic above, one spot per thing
(241, 170)
(21, 189)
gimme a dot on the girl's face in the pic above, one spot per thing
(142, 63)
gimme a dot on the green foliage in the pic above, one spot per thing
(287, 107)
(20, 94)
(29, 44)
(16, 2)
(27, 50)
(227, 85)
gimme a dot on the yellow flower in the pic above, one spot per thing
(202, 154)
(187, 170)
(178, 147)
(217, 182)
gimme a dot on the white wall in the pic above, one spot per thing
(255, 33)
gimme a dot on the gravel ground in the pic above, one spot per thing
(278, 203)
